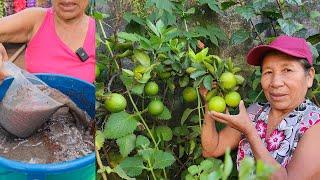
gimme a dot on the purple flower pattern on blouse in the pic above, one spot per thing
(282, 142)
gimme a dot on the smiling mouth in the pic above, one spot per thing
(277, 96)
(68, 6)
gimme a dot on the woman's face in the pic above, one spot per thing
(284, 81)
(70, 9)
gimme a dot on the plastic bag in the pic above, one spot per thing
(25, 107)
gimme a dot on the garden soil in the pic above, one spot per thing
(59, 139)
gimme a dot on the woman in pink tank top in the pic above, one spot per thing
(60, 39)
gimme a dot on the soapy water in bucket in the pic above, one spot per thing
(59, 139)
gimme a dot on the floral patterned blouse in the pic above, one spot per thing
(284, 139)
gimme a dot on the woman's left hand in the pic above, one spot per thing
(241, 121)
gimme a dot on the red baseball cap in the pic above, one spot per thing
(293, 46)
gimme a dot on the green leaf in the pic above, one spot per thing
(128, 36)
(133, 166)
(132, 17)
(262, 26)
(204, 176)
(185, 115)
(146, 154)
(263, 171)
(119, 125)
(197, 74)
(239, 36)
(165, 5)
(240, 79)
(128, 72)
(184, 81)
(181, 131)
(314, 14)
(126, 144)
(215, 175)
(127, 80)
(99, 140)
(213, 5)
(207, 82)
(121, 173)
(164, 133)
(246, 168)
(227, 4)
(289, 26)
(145, 77)
(206, 165)
(138, 89)
(193, 170)
(227, 165)
(162, 159)
(142, 141)
(153, 28)
(165, 115)
(294, 2)
(260, 4)
(246, 12)
(142, 57)
(160, 26)
(100, 16)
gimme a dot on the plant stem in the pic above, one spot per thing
(199, 107)
(142, 119)
(151, 169)
(280, 9)
(104, 176)
(256, 31)
(258, 96)
(111, 80)
(315, 100)
(108, 44)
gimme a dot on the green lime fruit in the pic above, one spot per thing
(211, 94)
(233, 99)
(189, 94)
(151, 88)
(228, 80)
(115, 102)
(155, 107)
(217, 104)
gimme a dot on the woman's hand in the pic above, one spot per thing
(241, 121)
(3, 57)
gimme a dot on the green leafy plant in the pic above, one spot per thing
(162, 45)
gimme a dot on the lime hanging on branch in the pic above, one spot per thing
(189, 94)
(228, 80)
(115, 102)
(233, 99)
(155, 107)
(217, 104)
(151, 89)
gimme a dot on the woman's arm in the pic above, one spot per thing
(214, 144)
(305, 163)
(20, 27)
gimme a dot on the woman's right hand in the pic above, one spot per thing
(3, 57)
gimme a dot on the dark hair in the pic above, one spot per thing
(304, 63)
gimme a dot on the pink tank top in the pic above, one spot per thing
(47, 53)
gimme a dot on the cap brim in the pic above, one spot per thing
(256, 54)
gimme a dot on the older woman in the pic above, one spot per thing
(60, 39)
(282, 132)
